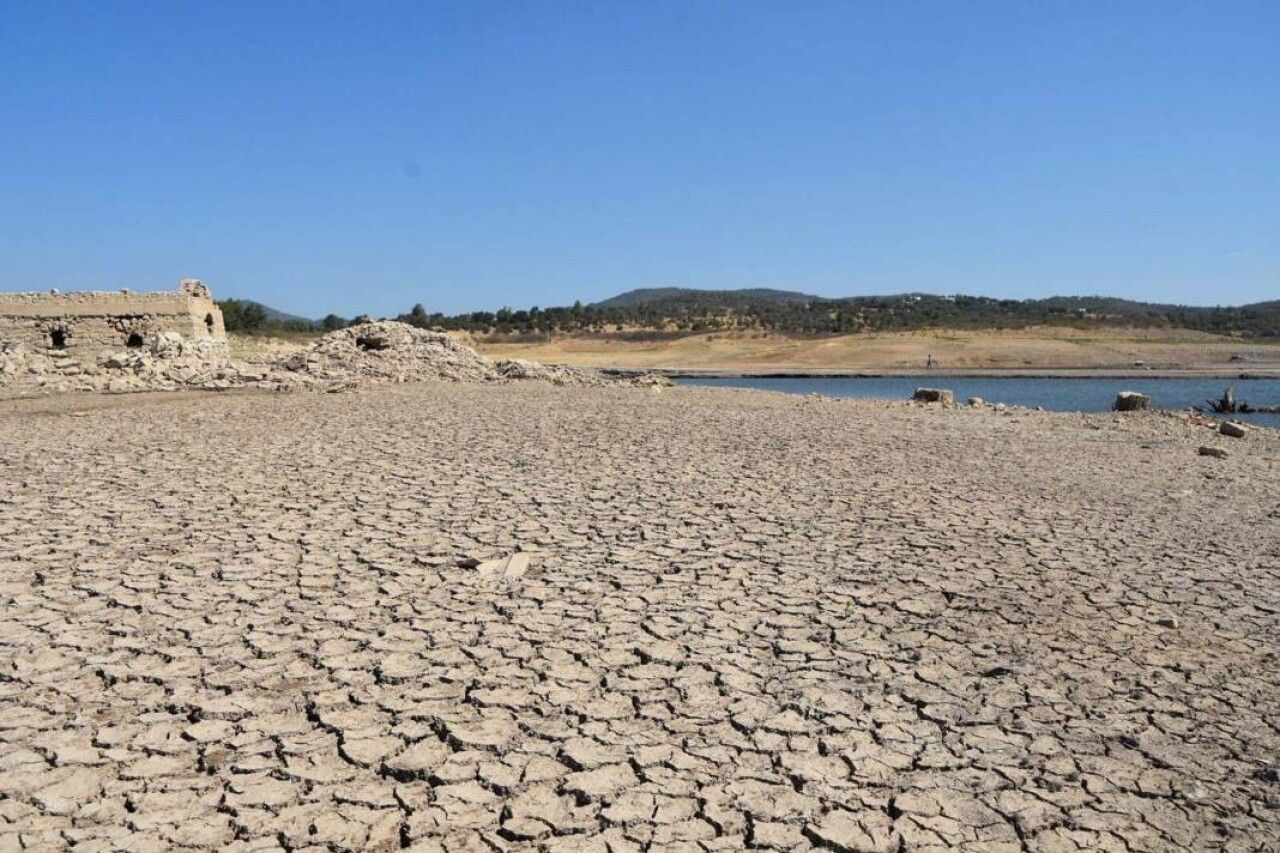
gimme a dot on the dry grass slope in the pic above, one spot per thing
(1042, 348)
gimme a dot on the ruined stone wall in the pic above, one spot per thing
(87, 322)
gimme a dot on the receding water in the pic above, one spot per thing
(1058, 394)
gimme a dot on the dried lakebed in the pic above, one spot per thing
(745, 620)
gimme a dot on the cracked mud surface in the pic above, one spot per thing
(254, 622)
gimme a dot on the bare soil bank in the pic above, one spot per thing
(1040, 351)
(254, 621)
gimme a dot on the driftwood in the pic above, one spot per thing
(1228, 405)
(1225, 405)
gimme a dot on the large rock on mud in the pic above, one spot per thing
(1232, 429)
(1131, 401)
(934, 395)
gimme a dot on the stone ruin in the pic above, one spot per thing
(114, 341)
(125, 341)
(82, 324)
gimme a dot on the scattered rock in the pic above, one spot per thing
(517, 565)
(1232, 429)
(976, 401)
(1215, 452)
(1131, 401)
(934, 395)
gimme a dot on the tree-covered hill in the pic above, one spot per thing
(245, 316)
(676, 311)
(707, 298)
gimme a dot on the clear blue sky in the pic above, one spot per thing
(361, 157)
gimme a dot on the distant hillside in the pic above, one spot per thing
(281, 318)
(723, 298)
(673, 311)
(246, 315)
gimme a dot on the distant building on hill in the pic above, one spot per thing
(86, 322)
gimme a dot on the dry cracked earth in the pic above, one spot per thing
(254, 622)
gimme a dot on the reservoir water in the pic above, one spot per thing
(1057, 394)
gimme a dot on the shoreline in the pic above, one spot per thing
(1030, 353)
(959, 373)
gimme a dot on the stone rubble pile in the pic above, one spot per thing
(388, 351)
(374, 352)
(167, 362)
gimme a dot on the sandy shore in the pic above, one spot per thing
(992, 373)
(250, 621)
(1050, 351)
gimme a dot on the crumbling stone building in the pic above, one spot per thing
(88, 322)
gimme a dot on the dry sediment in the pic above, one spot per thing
(745, 620)
(1033, 351)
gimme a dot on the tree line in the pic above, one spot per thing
(244, 316)
(691, 312)
(699, 313)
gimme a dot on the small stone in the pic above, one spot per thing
(934, 395)
(517, 565)
(1215, 452)
(1131, 401)
(1234, 430)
